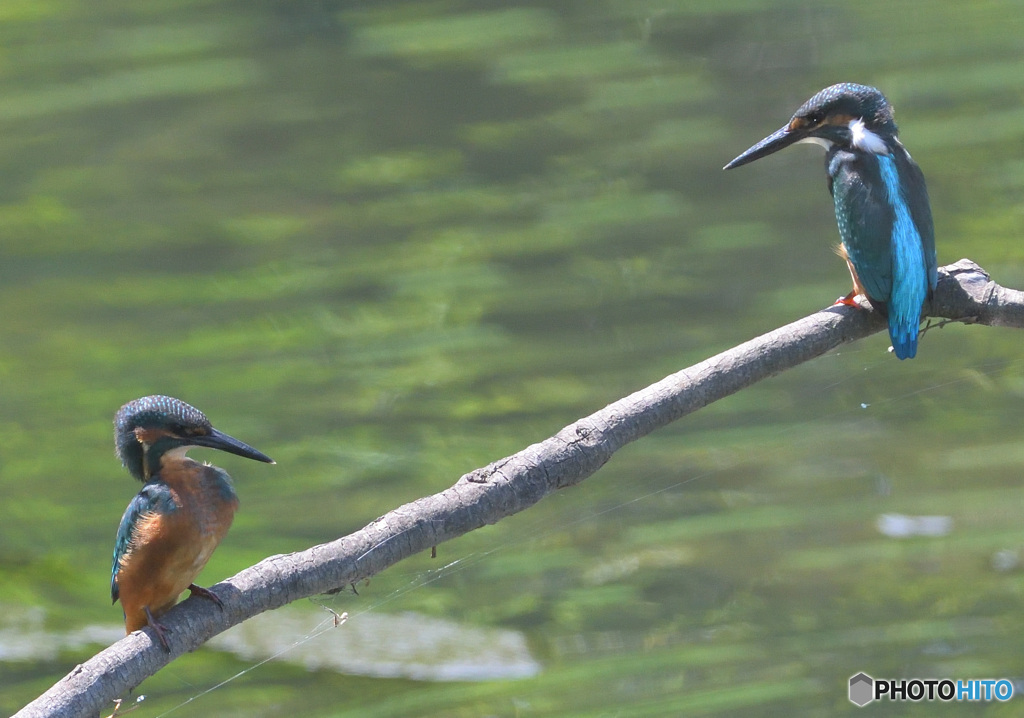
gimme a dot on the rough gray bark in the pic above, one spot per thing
(484, 496)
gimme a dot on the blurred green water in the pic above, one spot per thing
(387, 243)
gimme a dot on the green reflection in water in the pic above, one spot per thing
(388, 243)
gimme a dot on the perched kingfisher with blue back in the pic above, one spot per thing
(171, 528)
(885, 220)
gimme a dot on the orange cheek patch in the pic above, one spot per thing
(803, 123)
(149, 436)
(839, 119)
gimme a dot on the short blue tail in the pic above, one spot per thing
(903, 334)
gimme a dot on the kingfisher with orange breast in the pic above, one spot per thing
(171, 528)
(881, 202)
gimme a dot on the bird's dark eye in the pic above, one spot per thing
(806, 122)
(814, 119)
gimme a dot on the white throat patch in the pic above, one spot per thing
(865, 139)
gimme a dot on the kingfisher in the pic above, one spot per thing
(881, 202)
(171, 528)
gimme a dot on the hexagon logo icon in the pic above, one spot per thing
(861, 689)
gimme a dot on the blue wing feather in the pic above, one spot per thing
(155, 497)
(920, 210)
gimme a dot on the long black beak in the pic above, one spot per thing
(219, 440)
(774, 142)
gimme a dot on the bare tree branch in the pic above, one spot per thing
(484, 496)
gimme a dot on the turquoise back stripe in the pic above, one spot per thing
(909, 272)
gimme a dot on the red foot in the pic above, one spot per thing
(849, 300)
(194, 590)
(158, 628)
